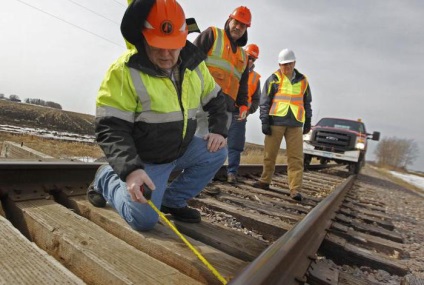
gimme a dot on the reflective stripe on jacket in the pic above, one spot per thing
(252, 86)
(225, 66)
(289, 96)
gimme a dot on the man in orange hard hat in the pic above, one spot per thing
(237, 131)
(146, 119)
(227, 62)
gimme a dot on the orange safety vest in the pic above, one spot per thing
(252, 85)
(288, 96)
(225, 66)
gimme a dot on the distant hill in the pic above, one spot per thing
(34, 116)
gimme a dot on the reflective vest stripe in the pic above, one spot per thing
(202, 80)
(211, 95)
(288, 98)
(106, 111)
(152, 117)
(140, 89)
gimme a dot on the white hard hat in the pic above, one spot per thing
(286, 56)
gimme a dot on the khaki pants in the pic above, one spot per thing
(294, 152)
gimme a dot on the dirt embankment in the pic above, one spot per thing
(33, 116)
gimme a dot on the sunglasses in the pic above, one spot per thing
(252, 59)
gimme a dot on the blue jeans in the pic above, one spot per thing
(198, 166)
(236, 140)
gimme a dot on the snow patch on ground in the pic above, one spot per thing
(410, 178)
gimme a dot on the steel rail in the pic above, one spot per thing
(287, 260)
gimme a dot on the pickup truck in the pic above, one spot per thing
(341, 140)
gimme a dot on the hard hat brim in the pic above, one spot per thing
(166, 42)
(286, 61)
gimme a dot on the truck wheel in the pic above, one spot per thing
(306, 161)
(354, 168)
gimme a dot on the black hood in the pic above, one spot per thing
(133, 20)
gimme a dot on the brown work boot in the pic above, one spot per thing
(261, 185)
(231, 178)
(297, 197)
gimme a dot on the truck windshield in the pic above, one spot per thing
(342, 124)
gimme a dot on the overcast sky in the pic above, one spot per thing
(364, 59)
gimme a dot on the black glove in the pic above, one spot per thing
(266, 129)
(307, 126)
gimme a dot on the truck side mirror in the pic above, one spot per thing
(376, 136)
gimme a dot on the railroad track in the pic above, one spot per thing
(52, 235)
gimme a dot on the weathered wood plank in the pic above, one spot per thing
(371, 242)
(230, 241)
(378, 214)
(388, 225)
(90, 252)
(271, 228)
(22, 262)
(161, 243)
(280, 193)
(362, 203)
(259, 195)
(322, 274)
(264, 207)
(342, 252)
(369, 229)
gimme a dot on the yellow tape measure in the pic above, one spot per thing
(197, 253)
(147, 193)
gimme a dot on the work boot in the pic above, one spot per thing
(185, 214)
(231, 178)
(96, 198)
(297, 197)
(261, 185)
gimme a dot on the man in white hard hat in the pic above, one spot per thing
(285, 111)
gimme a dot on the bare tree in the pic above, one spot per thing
(15, 98)
(396, 153)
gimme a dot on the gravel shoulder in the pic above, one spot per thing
(406, 206)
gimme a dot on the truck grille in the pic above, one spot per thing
(330, 140)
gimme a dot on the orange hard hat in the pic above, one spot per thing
(165, 26)
(252, 50)
(242, 14)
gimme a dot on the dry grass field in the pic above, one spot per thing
(25, 115)
(61, 149)
(56, 148)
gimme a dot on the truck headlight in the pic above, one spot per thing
(360, 145)
(307, 137)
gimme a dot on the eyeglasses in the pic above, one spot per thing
(252, 59)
